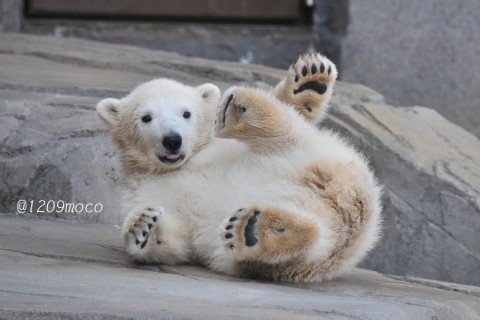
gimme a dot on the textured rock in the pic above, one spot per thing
(53, 269)
(54, 150)
(431, 172)
(53, 147)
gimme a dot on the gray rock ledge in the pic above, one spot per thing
(74, 270)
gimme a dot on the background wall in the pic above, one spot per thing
(418, 53)
(11, 15)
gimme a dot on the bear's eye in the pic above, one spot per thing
(147, 118)
(187, 114)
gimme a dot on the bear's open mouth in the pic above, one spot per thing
(171, 158)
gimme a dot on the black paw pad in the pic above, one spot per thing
(322, 68)
(314, 68)
(233, 219)
(329, 69)
(318, 87)
(229, 227)
(228, 236)
(150, 226)
(250, 239)
(154, 219)
(144, 243)
(304, 71)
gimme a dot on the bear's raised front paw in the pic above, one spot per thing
(309, 85)
(267, 234)
(142, 227)
(312, 72)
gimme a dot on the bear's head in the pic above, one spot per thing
(160, 124)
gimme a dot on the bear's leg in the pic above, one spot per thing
(308, 86)
(267, 234)
(151, 236)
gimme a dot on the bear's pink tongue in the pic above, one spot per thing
(173, 156)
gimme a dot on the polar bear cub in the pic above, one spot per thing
(269, 197)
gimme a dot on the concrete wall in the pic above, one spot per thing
(418, 53)
(10, 15)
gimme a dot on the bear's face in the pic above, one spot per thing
(160, 124)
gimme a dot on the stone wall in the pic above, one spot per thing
(270, 45)
(275, 45)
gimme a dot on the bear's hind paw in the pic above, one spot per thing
(140, 231)
(266, 234)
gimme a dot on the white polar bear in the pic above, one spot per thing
(309, 205)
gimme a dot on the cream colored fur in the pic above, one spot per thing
(305, 198)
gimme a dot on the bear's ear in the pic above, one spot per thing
(108, 110)
(209, 92)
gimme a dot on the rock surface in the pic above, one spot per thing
(53, 147)
(73, 270)
(431, 172)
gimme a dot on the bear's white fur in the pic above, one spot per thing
(270, 197)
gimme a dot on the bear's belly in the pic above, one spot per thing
(214, 193)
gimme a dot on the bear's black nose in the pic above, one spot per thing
(172, 142)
